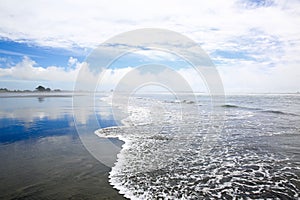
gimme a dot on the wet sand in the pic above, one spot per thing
(56, 167)
(41, 154)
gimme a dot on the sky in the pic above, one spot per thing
(255, 45)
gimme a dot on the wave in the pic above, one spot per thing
(230, 106)
(259, 109)
(238, 106)
(185, 101)
(279, 112)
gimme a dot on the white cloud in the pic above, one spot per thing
(131, 77)
(28, 69)
(157, 55)
(249, 77)
(72, 61)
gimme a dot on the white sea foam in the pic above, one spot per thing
(165, 158)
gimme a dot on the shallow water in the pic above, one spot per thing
(41, 154)
(249, 147)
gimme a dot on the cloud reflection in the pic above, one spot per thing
(30, 108)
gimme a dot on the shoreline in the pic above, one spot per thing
(122, 148)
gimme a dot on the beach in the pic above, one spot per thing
(246, 147)
(41, 154)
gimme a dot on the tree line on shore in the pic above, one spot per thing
(37, 89)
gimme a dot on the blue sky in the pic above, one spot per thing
(13, 52)
(254, 44)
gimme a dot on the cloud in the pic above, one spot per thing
(212, 23)
(249, 77)
(28, 69)
(72, 61)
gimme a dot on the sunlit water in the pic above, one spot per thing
(173, 151)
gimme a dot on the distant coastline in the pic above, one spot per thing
(43, 90)
(37, 89)
(39, 92)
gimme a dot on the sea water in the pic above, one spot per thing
(246, 147)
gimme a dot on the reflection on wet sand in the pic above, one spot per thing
(42, 156)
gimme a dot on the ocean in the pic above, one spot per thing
(247, 147)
